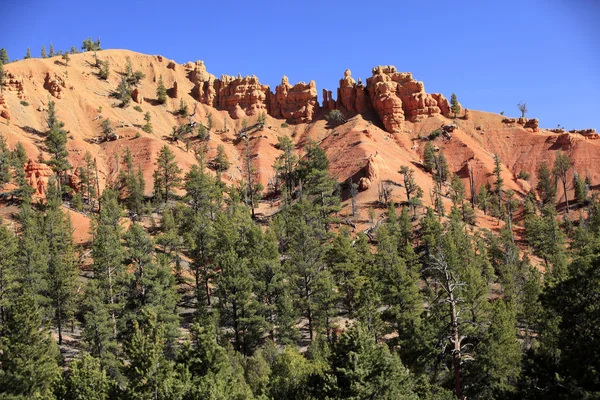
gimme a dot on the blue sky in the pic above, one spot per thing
(492, 54)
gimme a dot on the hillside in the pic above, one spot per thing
(385, 120)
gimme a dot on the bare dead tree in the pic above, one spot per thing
(522, 106)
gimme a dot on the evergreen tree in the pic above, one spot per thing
(28, 54)
(454, 105)
(90, 45)
(580, 188)
(429, 158)
(108, 268)
(562, 165)
(413, 192)
(132, 184)
(161, 91)
(546, 186)
(148, 125)
(56, 143)
(28, 354)
(149, 286)
(85, 380)
(4, 56)
(251, 187)
(104, 69)
(61, 260)
(286, 164)
(5, 163)
(2, 76)
(483, 199)
(362, 369)
(150, 374)
(215, 373)
(221, 161)
(51, 52)
(167, 175)
(8, 278)
(499, 181)
(44, 51)
(88, 180)
(66, 57)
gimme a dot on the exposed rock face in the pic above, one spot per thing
(396, 96)
(54, 84)
(467, 113)
(171, 65)
(371, 171)
(3, 110)
(198, 73)
(352, 97)
(37, 175)
(443, 104)
(247, 92)
(328, 102)
(14, 83)
(295, 103)
(137, 96)
(175, 90)
(533, 123)
(585, 132)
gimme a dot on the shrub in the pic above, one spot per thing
(24, 103)
(104, 69)
(335, 117)
(284, 125)
(435, 134)
(137, 108)
(524, 175)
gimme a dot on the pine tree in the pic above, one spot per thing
(499, 181)
(5, 163)
(580, 189)
(88, 181)
(454, 105)
(286, 164)
(546, 186)
(362, 369)
(86, 380)
(562, 165)
(413, 192)
(8, 277)
(148, 125)
(4, 56)
(149, 286)
(51, 52)
(123, 93)
(28, 54)
(90, 45)
(215, 372)
(56, 143)
(44, 52)
(252, 187)
(150, 374)
(221, 161)
(66, 57)
(61, 260)
(132, 184)
(167, 175)
(2, 76)
(104, 69)
(161, 91)
(429, 158)
(108, 255)
(28, 354)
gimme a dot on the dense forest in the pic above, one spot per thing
(189, 295)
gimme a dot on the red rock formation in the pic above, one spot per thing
(198, 73)
(54, 84)
(351, 95)
(467, 114)
(137, 96)
(14, 83)
(396, 96)
(295, 103)
(247, 92)
(371, 171)
(585, 132)
(328, 102)
(175, 90)
(443, 104)
(533, 123)
(171, 65)
(3, 110)
(37, 175)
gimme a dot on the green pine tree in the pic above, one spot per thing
(167, 175)
(161, 91)
(86, 380)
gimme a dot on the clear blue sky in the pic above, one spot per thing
(492, 54)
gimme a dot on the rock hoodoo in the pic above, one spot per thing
(396, 96)
(296, 103)
(37, 175)
(352, 97)
(54, 84)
